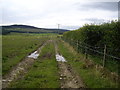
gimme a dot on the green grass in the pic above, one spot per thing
(39, 34)
(43, 73)
(110, 64)
(16, 47)
(91, 77)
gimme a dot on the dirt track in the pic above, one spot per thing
(19, 70)
(68, 78)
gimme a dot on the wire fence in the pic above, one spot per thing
(105, 58)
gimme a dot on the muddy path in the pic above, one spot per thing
(20, 69)
(68, 78)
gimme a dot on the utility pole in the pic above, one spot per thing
(58, 28)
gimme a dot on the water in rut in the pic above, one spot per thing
(21, 68)
(67, 76)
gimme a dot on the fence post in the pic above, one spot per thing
(104, 56)
(86, 56)
(77, 45)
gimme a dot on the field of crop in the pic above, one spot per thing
(17, 47)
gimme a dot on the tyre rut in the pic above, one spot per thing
(68, 78)
(20, 69)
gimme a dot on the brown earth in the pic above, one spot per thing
(68, 78)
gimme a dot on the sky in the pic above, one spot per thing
(70, 14)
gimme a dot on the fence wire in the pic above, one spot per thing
(88, 47)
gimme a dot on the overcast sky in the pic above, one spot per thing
(70, 14)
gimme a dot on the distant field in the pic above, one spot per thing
(29, 29)
(16, 47)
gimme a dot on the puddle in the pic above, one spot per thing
(60, 58)
(34, 55)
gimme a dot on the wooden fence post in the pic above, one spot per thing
(77, 45)
(86, 56)
(104, 56)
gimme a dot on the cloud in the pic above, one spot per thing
(70, 27)
(48, 13)
(109, 6)
(95, 20)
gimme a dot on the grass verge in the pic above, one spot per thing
(110, 64)
(91, 77)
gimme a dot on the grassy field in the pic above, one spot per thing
(91, 77)
(16, 47)
(43, 74)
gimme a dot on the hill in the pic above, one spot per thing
(29, 29)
